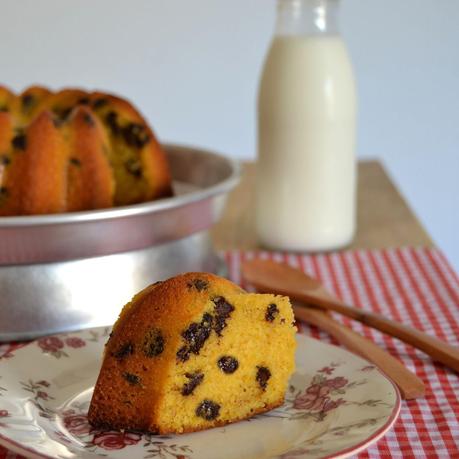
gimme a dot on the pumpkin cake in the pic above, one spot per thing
(74, 150)
(191, 353)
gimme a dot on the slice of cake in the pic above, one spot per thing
(194, 352)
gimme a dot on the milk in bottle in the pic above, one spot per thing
(305, 195)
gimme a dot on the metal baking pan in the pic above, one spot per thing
(75, 270)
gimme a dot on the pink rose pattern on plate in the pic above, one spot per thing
(322, 396)
(115, 440)
(76, 423)
(50, 343)
(75, 342)
(317, 397)
(55, 346)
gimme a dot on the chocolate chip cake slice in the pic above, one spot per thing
(194, 352)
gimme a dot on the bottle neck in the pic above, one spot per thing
(307, 17)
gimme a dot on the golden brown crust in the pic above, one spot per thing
(45, 159)
(6, 98)
(91, 184)
(36, 174)
(167, 306)
(28, 104)
(113, 102)
(62, 102)
(156, 168)
(6, 131)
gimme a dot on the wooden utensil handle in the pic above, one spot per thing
(409, 384)
(439, 350)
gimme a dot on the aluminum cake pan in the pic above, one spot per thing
(201, 181)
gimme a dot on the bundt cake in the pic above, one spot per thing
(191, 353)
(73, 150)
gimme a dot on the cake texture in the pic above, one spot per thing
(191, 353)
(74, 150)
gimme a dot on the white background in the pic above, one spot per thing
(192, 66)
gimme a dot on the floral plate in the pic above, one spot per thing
(337, 404)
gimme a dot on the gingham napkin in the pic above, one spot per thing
(414, 286)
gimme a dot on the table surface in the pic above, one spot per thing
(384, 219)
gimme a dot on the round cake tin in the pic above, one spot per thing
(75, 270)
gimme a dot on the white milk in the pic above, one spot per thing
(305, 198)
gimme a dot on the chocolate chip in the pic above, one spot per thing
(228, 364)
(62, 113)
(99, 102)
(88, 119)
(271, 312)
(4, 160)
(198, 284)
(19, 141)
(125, 350)
(197, 333)
(183, 354)
(132, 379)
(223, 310)
(208, 410)
(134, 167)
(263, 375)
(194, 380)
(75, 162)
(222, 307)
(136, 135)
(112, 120)
(27, 101)
(153, 344)
(83, 101)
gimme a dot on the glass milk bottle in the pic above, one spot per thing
(306, 172)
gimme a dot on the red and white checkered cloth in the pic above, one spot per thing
(414, 286)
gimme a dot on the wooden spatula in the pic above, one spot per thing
(270, 276)
(409, 384)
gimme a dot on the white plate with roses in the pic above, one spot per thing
(337, 404)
